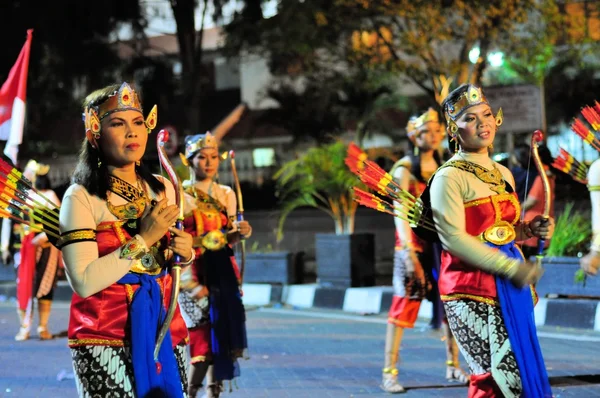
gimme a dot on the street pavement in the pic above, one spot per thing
(304, 354)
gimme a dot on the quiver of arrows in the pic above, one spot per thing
(388, 196)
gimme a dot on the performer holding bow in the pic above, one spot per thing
(117, 240)
(211, 297)
(39, 263)
(484, 279)
(415, 259)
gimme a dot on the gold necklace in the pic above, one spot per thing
(491, 177)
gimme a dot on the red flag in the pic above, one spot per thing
(12, 102)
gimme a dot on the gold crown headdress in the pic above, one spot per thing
(123, 99)
(415, 123)
(471, 97)
(194, 143)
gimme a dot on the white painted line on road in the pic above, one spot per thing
(382, 321)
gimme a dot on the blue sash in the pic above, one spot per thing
(518, 314)
(146, 315)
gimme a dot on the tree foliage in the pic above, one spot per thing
(420, 40)
(320, 179)
(70, 54)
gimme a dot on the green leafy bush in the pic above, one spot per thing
(572, 234)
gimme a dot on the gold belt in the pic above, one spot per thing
(499, 234)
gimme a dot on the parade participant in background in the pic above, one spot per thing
(484, 279)
(534, 204)
(211, 297)
(39, 263)
(591, 261)
(414, 259)
(117, 239)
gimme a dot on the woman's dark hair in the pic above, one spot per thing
(42, 183)
(451, 99)
(91, 171)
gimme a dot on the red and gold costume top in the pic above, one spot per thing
(471, 206)
(93, 237)
(208, 219)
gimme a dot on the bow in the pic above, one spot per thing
(161, 139)
(536, 138)
(240, 212)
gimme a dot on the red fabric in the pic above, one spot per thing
(404, 311)
(415, 188)
(537, 192)
(16, 83)
(26, 272)
(458, 277)
(200, 350)
(102, 319)
(484, 386)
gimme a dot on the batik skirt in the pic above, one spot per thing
(107, 372)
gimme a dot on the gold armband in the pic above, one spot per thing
(74, 236)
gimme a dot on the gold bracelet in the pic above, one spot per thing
(136, 249)
(191, 260)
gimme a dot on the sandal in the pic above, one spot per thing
(44, 333)
(22, 335)
(457, 375)
(389, 384)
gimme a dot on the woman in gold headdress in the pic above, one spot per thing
(415, 259)
(117, 239)
(39, 263)
(211, 297)
(484, 280)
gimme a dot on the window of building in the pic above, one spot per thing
(263, 157)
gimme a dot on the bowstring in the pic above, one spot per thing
(526, 185)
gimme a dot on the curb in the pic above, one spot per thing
(570, 313)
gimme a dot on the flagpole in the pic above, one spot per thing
(12, 97)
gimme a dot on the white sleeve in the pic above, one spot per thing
(449, 215)
(402, 177)
(86, 272)
(231, 204)
(594, 187)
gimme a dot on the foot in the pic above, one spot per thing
(193, 390)
(214, 390)
(22, 335)
(44, 333)
(390, 384)
(457, 375)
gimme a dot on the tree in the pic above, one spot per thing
(420, 40)
(70, 54)
(194, 73)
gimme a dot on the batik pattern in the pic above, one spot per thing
(107, 372)
(483, 340)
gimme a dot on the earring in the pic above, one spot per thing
(138, 163)
(454, 138)
(491, 147)
(499, 117)
(416, 151)
(99, 163)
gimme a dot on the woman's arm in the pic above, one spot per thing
(402, 178)
(86, 272)
(449, 215)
